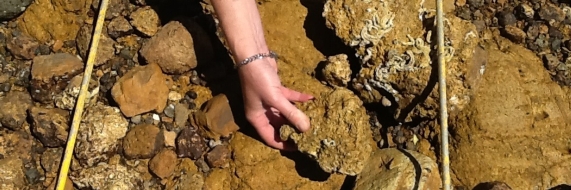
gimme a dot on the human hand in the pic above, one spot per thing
(268, 104)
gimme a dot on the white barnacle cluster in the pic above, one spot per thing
(376, 27)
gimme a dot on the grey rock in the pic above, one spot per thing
(10, 9)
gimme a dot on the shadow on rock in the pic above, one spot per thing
(561, 187)
(306, 167)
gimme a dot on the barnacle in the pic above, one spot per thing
(375, 28)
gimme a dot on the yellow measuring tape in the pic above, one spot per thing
(68, 155)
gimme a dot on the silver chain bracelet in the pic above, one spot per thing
(271, 54)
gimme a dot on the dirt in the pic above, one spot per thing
(164, 105)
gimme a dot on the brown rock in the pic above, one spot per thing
(190, 144)
(392, 169)
(216, 119)
(119, 27)
(47, 20)
(115, 8)
(50, 161)
(218, 179)
(106, 49)
(337, 71)
(50, 74)
(23, 46)
(219, 157)
(13, 112)
(164, 163)
(143, 141)
(50, 125)
(11, 173)
(145, 20)
(178, 47)
(515, 34)
(140, 90)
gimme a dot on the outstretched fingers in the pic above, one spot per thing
(295, 96)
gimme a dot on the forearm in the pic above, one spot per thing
(242, 27)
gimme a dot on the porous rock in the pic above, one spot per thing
(143, 141)
(340, 136)
(178, 47)
(67, 98)
(107, 176)
(105, 50)
(337, 71)
(51, 73)
(140, 90)
(11, 173)
(190, 144)
(14, 106)
(50, 125)
(145, 20)
(394, 169)
(99, 134)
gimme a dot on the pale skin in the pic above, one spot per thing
(267, 103)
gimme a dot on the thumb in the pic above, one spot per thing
(294, 115)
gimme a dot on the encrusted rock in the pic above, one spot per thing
(337, 71)
(178, 47)
(219, 157)
(115, 8)
(216, 119)
(11, 173)
(99, 134)
(50, 125)
(340, 136)
(143, 141)
(395, 169)
(66, 99)
(190, 144)
(164, 163)
(145, 20)
(51, 73)
(106, 49)
(14, 106)
(106, 176)
(140, 90)
(119, 27)
(23, 46)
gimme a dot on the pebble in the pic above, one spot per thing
(191, 94)
(524, 11)
(119, 27)
(219, 157)
(190, 144)
(163, 164)
(136, 119)
(174, 96)
(143, 141)
(202, 165)
(5, 87)
(169, 111)
(145, 20)
(506, 17)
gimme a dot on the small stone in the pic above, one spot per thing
(514, 33)
(169, 111)
(136, 119)
(23, 47)
(506, 18)
(119, 27)
(524, 11)
(475, 3)
(181, 112)
(191, 94)
(51, 74)
(105, 51)
(174, 96)
(5, 87)
(549, 12)
(551, 62)
(67, 99)
(50, 125)
(12, 8)
(202, 165)
(163, 164)
(216, 119)
(195, 80)
(145, 20)
(13, 113)
(178, 48)
(190, 144)
(219, 157)
(11, 173)
(170, 138)
(143, 141)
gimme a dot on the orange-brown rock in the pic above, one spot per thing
(50, 74)
(216, 119)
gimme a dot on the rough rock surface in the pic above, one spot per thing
(9, 9)
(394, 169)
(518, 125)
(13, 113)
(50, 74)
(178, 47)
(143, 141)
(50, 125)
(99, 134)
(163, 163)
(145, 20)
(23, 46)
(11, 173)
(140, 90)
(216, 119)
(107, 176)
(67, 98)
(337, 71)
(340, 134)
(105, 50)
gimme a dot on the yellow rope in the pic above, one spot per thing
(64, 170)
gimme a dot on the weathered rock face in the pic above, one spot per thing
(105, 50)
(13, 112)
(145, 20)
(394, 169)
(140, 90)
(143, 141)
(340, 135)
(9, 9)
(178, 47)
(337, 71)
(67, 98)
(50, 74)
(107, 176)
(50, 125)
(11, 173)
(395, 47)
(517, 128)
(216, 119)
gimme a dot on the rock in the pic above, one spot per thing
(115, 8)
(99, 134)
(219, 157)
(10, 9)
(340, 136)
(47, 20)
(174, 96)
(169, 111)
(549, 12)
(190, 181)
(394, 169)
(23, 46)
(216, 119)
(495, 185)
(105, 50)
(189, 144)
(140, 90)
(506, 18)
(170, 138)
(50, 125)
(11, 173)
(524, 11)
(163, 164)
(528, 109)
(13, 112)
(218, 179)
(143, 141)
(515, 34)
(119, 27)
(145, 20)
(51, 160)
(337, 71)
(107, 176)
(178, 47)
(67, 98)
(50, 74)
